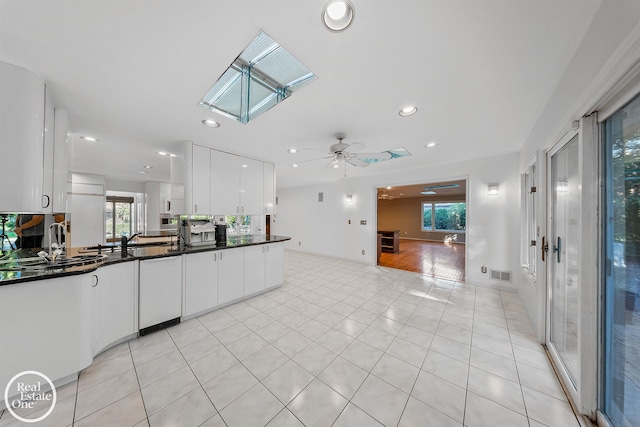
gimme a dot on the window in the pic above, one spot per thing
(444, 216)
(529, 222)
(118, 217)
(238, 224)
(621, 241)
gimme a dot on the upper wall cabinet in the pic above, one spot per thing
(27, 140)
(219, 183)
(269, 192)
(236, 184)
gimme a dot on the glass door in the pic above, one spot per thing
(620, 397)
(563, 261)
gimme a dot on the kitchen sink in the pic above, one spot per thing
(38, 263)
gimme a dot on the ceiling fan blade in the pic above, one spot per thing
(313, 160)
(355, 146)
(313, 149)
(374, 157)
(332, 163)
(357, 162)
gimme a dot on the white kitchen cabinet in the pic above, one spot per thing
(263, 267)
(197, 180)
(201, 282)
(61, 162)
(114, 303)
(230, 275)
(254, 269)
(274, 266)
(87, 207)
(225, 183)
(22, 127)
(251, 187)
(46, 327)
(236, 185)
(269, 189)
(160, 290)
(201, 202)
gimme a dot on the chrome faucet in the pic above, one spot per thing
(58, 247)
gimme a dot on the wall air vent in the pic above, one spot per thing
(504, 276)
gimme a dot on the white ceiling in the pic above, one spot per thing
(131, 73)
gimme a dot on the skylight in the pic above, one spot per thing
(263, 75)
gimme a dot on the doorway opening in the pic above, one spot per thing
(422, 228)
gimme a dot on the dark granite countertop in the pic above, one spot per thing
(113, 255)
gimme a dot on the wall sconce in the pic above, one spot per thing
(493, 189)
(349, 198)
(562, 186)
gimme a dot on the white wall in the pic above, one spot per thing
(126, 186)
(323, 228)
(607, 52)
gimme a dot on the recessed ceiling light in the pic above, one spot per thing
(292, 150)
(163, 153)
(211, 123)
(295, 165)
(142, 172)
(336, 166)
(89, 138)
(147, 167)
(389, 188)
(408, 111)
(338, 15)
(431, 145)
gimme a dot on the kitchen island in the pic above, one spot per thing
(55, 320)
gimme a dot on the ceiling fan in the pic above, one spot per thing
(343, 153)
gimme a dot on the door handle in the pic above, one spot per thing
(558, 248)
(544, 248)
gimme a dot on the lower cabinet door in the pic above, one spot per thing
(274, 264)
(254, 261)
(160, 290)
(113, 289)
(201, 282)
(230, 275)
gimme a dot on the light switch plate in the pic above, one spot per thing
(363, 222)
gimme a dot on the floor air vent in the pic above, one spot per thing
(504, 276)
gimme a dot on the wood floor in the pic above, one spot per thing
(445, 260)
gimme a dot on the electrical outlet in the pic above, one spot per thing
(299, 243)
(363, 222)
(363, 252)
(349, 221)
(483, 269)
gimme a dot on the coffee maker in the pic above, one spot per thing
(197, 232)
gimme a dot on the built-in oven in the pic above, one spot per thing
(168, 222)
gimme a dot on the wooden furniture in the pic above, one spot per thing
(390, 241)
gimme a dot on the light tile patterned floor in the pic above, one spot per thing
(339, 344)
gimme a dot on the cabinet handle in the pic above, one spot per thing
(220, 256)
(46, 205)
(215, 256)
(97, 280)
(195, 208)
(242, 210)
